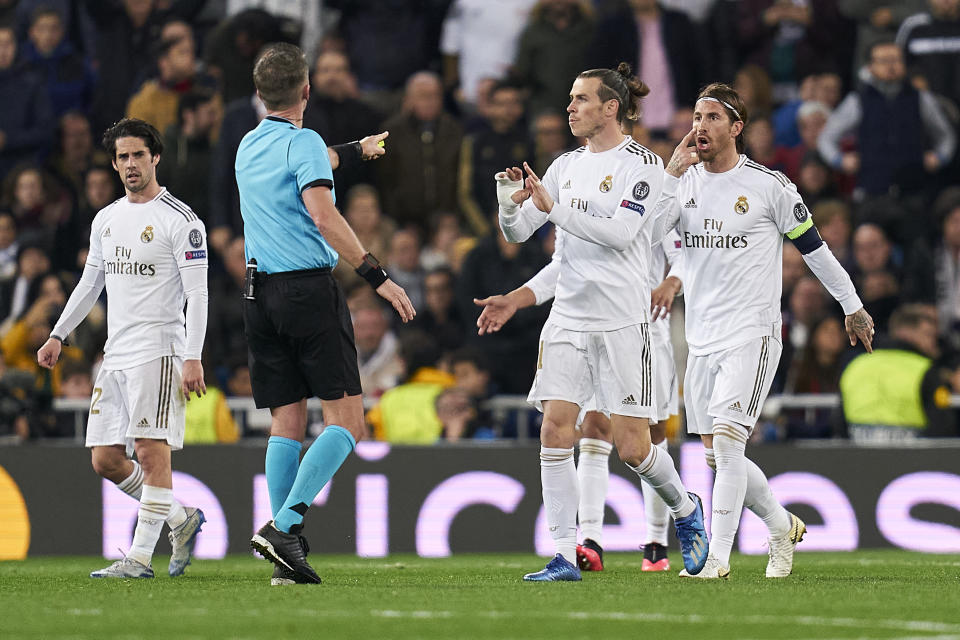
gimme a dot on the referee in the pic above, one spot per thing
(299, 334)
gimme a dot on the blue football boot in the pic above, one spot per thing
(557, 570)
(693, 538)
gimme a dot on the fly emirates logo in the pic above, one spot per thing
(122, 265)
(713, 237)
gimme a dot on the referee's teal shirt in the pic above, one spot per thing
(275, 163)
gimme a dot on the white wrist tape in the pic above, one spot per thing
(505, 189)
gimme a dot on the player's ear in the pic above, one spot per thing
(737, 128)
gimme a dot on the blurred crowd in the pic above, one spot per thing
(856, 101)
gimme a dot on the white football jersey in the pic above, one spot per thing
(600, 288)
(667, 258)
(141, 249)
(731, 228)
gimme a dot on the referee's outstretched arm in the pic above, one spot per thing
(336, 230)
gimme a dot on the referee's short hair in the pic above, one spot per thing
(279, 73)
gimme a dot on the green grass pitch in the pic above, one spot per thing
(875, 594)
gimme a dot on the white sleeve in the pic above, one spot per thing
(195, 289)
(190, 248)
(81, 300)
(618, 231)
(835, 279)
(544, 283)
(450, 37)
(667, 209)
(672, 246)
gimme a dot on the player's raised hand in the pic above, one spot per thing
(684, 156)
(859, 325)
(541, 199)
(661, 298)
(49, 353)
(510, 191)
(397, 297)
(497, 310)
(192, 379)
(372, 147)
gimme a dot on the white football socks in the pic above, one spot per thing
(655, 509)
(133, 487)
(758, 497)
(657, 469)
(561, 494)
(154, 507)
(593, 472)
(729, 487)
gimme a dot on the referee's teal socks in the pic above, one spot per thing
(283, 459)
(321, 461)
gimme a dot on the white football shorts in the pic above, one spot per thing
(731, 384)
(142, 402)
(609, 371)
(665, 379)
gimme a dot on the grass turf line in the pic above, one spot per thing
(872, 594)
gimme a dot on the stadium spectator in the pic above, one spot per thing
(791, 39)
(9, 246)
(403, 258)
(77, 384)
(823, 87)
(208, 419)
(30, 331)
(377, 350)
(233, 45)
(932, 273)
(73, 237)
(374, 32)
(753, 83)
(75, 154)
(157, 99)
(32, 262)
(26, 119)
(832, 218)
(239, 117)
(479, 40)
(69, 76)
(929, 40)
(876, 272)
(374, 230)
(898, 392)
(816, 369)
(551, 50)
(502, 141)
(440, 317)
(189, 148)
(419, 175)
(128, 31)
(669, 58)
(917, 138)
(407, 413)
(811, 118)
(551, 137)
(440, 248)
(335, 112)
(225, 336)
(491, 267)
(876, 20)
(37, 202)
(815, 180)
(474, 378)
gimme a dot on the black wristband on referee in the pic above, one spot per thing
(350, 154)
(371, 271)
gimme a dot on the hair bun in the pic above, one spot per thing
(625, 70)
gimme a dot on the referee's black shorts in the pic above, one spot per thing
(300, 339)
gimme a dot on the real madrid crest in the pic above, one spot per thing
(742, 205)
(607, 184)
(147, 235)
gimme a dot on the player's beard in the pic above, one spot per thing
(138, 186)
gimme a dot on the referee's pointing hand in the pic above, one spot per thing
(397, 297)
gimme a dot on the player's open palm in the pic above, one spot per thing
(397, 297)
(49, 353)
(497, 310)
